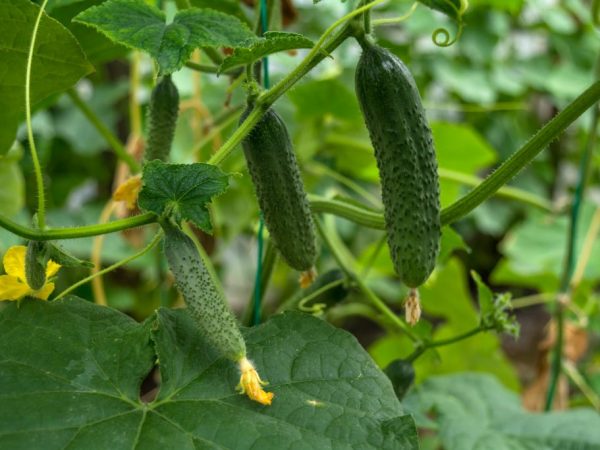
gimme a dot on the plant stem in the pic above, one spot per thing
(116, 265)
(523, 156)
(206, 68)
(266, 99)
(108, 136)
(77, 232)
(39, 178)
(371, 296)
(506, 192)
(348, 211)
(395, 20)
(569, 262)
(439, 343)
(316, 54)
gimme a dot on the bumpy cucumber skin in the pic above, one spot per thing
(35, 271)
(162, 118)
(395, 118)
(203, 296)
(274, 170)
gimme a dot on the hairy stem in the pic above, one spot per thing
(439, 343)
(523, 156)
(39, 178)
(116, 265)
(77, 232)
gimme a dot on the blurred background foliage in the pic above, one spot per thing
(516, 64)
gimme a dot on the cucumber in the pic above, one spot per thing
(280, 191)
(202, 293)
(162, 117)
(393, 113)
(35, 265)
(402, 375)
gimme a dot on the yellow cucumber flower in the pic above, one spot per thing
(251, 384)
(128, 192)
(13, 285)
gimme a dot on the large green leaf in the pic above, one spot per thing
(536, 247)
(272, 42)
(135, 24)
(70, 374)
(97, 47)
(474, 411)
(181, 190)
(58, 62)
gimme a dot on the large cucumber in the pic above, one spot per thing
(162, 117)
(280, 191)
(202, 293)
(395, 118)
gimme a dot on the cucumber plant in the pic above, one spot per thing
(305, 359)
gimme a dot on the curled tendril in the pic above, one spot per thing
(441, 36)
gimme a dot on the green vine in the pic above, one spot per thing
(39, 178)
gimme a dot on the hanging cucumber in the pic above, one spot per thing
(395, 118)
(206, 304)
(162, 118)
(280, 191)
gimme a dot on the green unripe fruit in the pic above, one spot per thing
(35, 266)
(395, 118)
(402, 375)
(162, 118)
(202, 293)
(274, 170)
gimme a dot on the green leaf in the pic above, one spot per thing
(461, 148)
(63, 257)
(272, 42)
(494, 310)
(181, 190)
(138, 25)
(58, 62)
(97, 47)
(451, 8)
(78, 385)
(536, 247)
(474, 411)
(316, 98)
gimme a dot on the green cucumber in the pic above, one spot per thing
(162, 117)
(35, 265)
(202, 293)
(402, 375)
(280, 191)
(392, 109)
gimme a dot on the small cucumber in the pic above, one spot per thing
(280, 191)
(402, 375)
(35, 265)
(400, 134)
(162, 117)
(202, 293)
